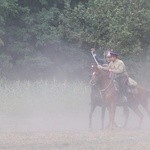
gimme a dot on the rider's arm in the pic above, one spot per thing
(104, 67)
(98, 59)
(107, 68)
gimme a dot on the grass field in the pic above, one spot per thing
(52, 115)
(21, 97)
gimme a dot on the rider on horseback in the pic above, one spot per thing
(120, 75)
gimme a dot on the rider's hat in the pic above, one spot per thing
(112, 53)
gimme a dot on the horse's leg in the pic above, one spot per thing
(126, 113)
(112, 110)
(113, 115)
(90, 115)
(109, 112)
(102, 116)
(138, 112)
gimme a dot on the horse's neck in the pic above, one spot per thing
(105, 80)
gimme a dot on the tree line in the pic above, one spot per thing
(44, 35)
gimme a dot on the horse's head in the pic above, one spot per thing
(93, 68)
(97, 75)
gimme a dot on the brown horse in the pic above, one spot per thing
(111, 97)
(97, 100)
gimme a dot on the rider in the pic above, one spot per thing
(118, 68)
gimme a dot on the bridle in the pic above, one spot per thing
(105, 88)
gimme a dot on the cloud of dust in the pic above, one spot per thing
(61, 102)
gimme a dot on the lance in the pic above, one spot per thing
(94, 56)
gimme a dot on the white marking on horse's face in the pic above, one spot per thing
(92, 66)
(94, 73)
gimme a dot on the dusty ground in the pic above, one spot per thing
(43, 116)
(89, 140)
(69, 132)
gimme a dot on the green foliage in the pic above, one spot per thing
(27, 27)
(8, 9)
(46, 27)
(117, 24)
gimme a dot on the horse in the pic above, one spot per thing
(96, 100)
(111, 97)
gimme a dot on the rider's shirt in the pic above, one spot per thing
(118, 67)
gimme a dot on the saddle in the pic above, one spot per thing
(130, 85)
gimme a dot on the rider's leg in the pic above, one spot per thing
(122, 86)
